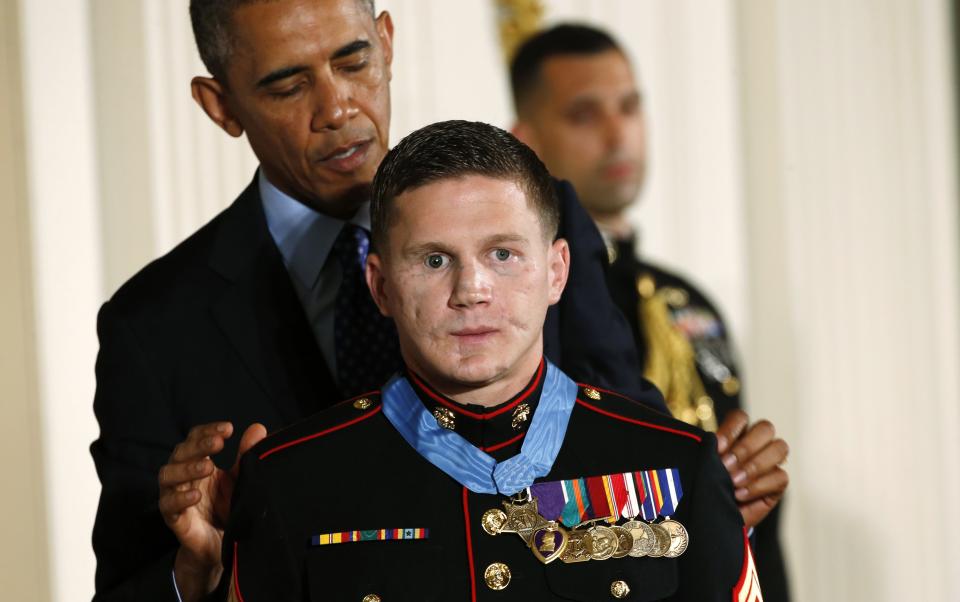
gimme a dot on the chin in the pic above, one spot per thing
(472, 370)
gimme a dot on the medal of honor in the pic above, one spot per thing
(522, 519)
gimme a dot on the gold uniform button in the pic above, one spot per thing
(704, 410)
(646, 286)
(362, 404)
(445, 417)
(676, 297)
(371, 598)
(497, 576)
(731, 385)
(520, 415)
(619, 590)
(591, 393)
(493, 521)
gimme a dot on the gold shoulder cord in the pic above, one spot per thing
(517, 20)
(671, 360)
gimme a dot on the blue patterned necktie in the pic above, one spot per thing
(365, 341)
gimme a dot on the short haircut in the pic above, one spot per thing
(561, 40)
(455, 149)
(211, 21)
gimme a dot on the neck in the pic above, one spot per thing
(614, 225)
(494, 392)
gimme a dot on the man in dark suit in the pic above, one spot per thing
(261, 317)
(482, 471)
(579, 106)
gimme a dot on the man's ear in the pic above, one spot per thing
(558, 268)
(211, 96)
(376, 282)
(385, 33)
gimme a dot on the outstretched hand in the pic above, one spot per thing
(754, 458)
(195, 503)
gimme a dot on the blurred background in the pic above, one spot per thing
(804, 171)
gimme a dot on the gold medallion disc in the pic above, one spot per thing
(679, 538)
(644, 539)
(624, 542)
(662, 543)
(603, 542)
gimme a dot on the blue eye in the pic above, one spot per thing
(502, 254)
(436, 261)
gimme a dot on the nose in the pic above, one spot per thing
(615, 128)
(471, 286)
(333, 105)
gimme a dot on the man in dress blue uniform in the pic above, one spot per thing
(481, 471)
(579, 106)
(262, 317)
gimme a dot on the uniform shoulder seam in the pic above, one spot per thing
(638, 422)
(369, 413)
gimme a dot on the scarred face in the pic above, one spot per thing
(308, 81)
(467, 273)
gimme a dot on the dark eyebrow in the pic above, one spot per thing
(425, 249)
(437, 247)
(351, 48)
(284, 73)
(280, 74)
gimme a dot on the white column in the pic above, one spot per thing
(24, 565)
(853, 348)
(67, 287)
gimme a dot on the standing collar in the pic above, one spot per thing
(488, 428)
(465, 462)
(303, 235)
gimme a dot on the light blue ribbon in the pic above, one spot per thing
(470, 466)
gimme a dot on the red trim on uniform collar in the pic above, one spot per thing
(458, 408)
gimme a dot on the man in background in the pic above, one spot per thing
(262, 317)
(579, 107)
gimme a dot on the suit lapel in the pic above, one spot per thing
(260, 315)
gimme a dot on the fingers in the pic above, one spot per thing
(746, 447)
(731, 429)
(179, 475)
(254, 434)
(173, 504)
(203, 440)
(771, 485)
(190, 459)
(756, 511)
(189, 463)
(772, 455)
